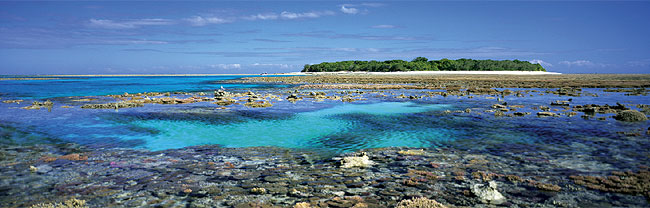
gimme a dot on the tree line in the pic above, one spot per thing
(423, 64)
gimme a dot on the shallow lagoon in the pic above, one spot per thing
(541, 147)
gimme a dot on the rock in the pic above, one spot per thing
(499, 113)
(362, 161)
(488, 193)
(411, 152)
(225, 101)
(543, 114)
(495, 106)
(12, 101)
(630, 116)
(293, 97)
(259, 104)
(258, 190)
(41, 169)
(221, 94)
(38, 105)
(560, 103)
(520, 113)
(112, 105)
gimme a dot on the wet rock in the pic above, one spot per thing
(488, 193)
(258, 104)
(38, 105)
(498, 106)
(521, 113)
(112, 105)
(293, 98)
(544, 114)
(630, 116)
(12, 101)
(560, 103)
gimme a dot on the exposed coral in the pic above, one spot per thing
(258, 104)
(420, 202)
(112, 105)
(637, 183)
(362, 161)
(630, 116)
(411, 152)
(71, 203)
(488, 193)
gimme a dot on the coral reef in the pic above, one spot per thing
(488, 193)
(362, 161)
(637, 183)
(420, 202)
(71, 203)
(630, 116)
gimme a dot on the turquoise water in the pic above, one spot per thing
(302, 130)
(92, 86)
(327, 126)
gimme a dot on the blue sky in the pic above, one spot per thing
(98, 37)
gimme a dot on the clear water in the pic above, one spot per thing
(330, 126)
(92, 86)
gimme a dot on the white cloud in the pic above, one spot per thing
(541, 62)
(582, 63)
(284, 66)
(269, 16)
(202, 21)
(128, 24)
(293, 15)
(349, 10)
(383, 26)
(226, 66)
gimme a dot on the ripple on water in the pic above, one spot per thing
(316, 129)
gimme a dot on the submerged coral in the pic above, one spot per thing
(637, 183)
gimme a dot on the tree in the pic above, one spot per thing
(420, 59)
(423, 64)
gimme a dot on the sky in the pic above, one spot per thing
(124, 37)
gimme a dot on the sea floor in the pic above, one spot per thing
(264, 147)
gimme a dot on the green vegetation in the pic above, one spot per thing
(423, 64)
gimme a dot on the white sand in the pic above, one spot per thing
(430, 73)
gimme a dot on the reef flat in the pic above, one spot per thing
(525, 141)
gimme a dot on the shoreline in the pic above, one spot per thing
(427, 73)
(303, 73)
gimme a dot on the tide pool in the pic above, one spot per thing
(321, 129)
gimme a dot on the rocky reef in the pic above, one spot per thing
(211, 176)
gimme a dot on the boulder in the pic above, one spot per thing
(630, 116)
(488, 193)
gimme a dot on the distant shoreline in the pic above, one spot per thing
(427, 73)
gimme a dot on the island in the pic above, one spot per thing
(424, 64)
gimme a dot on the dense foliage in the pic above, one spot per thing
(423, 64)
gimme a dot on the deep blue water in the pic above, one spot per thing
(329, 126)
(91, 86)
